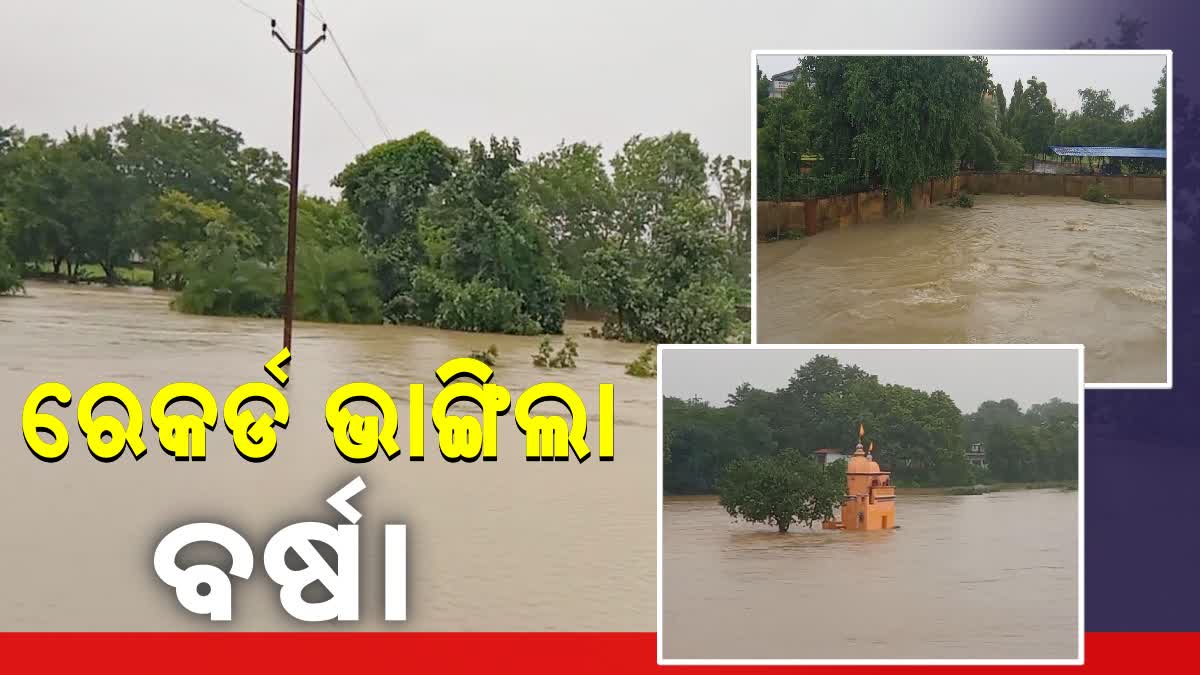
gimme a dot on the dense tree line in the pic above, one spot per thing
(853, 122)
(920, 436)
(477, 239)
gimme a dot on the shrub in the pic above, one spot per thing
(564, 358)
(645, 365)
(335, 286)
(480, 307)
(1095, 193)
(488, 356)
(223, 285)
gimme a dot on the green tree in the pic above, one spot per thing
(732, 177)
(573, 198)
(763, 93)
(179, 231)
(387, 187)
(210, 163)
(481, 239)
(894, 120)
(649, 173)
(327, 223)
(781, 490)
(1037, 120)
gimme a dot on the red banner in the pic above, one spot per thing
(573, 653)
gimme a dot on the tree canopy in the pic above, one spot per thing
(784, 489)
(851, 123)
(657, 239)
(920, 436)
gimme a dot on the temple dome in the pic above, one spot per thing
(873, 466)
(859, 463)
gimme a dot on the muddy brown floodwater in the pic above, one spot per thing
(987, 576)
(1012, 269)
(504, 545)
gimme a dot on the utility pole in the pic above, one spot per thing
(299, 50)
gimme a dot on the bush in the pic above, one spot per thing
(224, 285)
(565, 358)
(645, 365)
(1095, 193)
(482, 308)
(335, 286)
(488, 356)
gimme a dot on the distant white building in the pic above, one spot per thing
(976, 456)
(829, 455)
(780, 82)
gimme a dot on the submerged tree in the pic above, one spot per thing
(783, 489)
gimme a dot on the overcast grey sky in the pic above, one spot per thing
(969, 376)
(541, 70)
(1131, 78)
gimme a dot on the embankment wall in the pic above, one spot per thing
(814, 215)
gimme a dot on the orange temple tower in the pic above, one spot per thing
(871, 499)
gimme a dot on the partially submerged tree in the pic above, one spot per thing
(782, 489)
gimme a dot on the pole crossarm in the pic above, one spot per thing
(279, 37)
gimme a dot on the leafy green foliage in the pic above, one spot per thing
(389, 184)
(888, 121)
(645, 365)
(225, 284)
(10, 270)
(477, 232)
(781, 490)
(1095, 193)
(668, 298)
(387, 187)
(563, 358)
(1038, 444)
(334, 285)
(572, 196)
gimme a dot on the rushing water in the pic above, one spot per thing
(1012, 269)
(988, 576)
(504, 545)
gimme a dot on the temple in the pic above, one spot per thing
(870, 497)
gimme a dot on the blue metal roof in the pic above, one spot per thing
(1104, 151)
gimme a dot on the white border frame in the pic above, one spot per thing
(754, 54)
(866, 662)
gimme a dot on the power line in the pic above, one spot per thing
(316, 13)
(254, 9)
(357, 83)
(333, 105)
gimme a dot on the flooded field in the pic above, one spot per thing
(988, 576)
(1012, 269)
(508, 545)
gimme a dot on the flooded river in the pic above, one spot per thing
(1012, 269)
(504, 545)
(988, 576)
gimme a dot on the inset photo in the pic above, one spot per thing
(968, 198)
(870, 504)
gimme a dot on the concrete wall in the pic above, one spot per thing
(814, 215)
(1059, 185)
